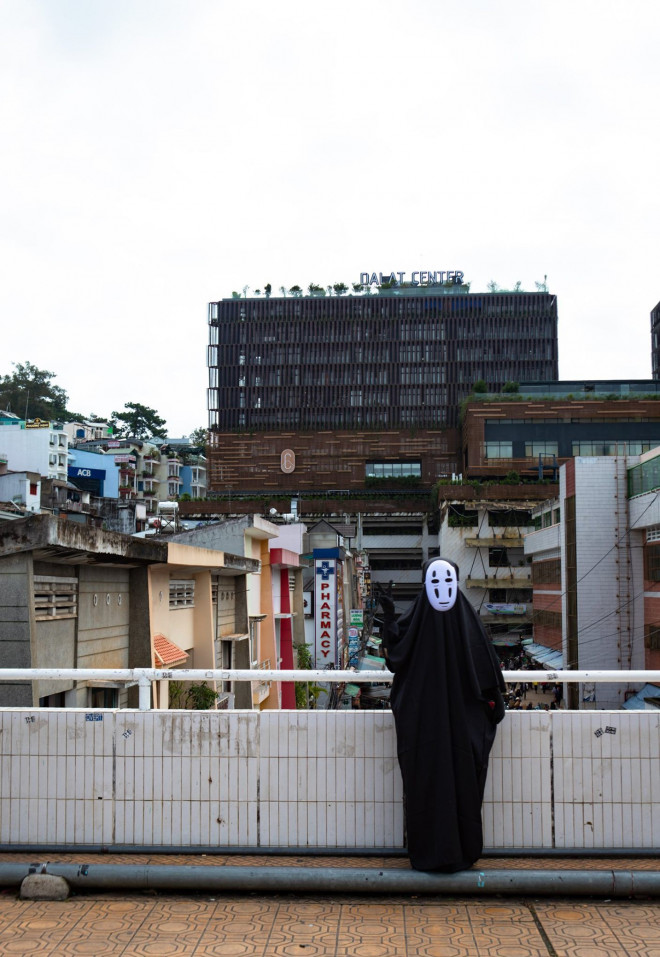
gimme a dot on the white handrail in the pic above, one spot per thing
(134, 675)
(144, 676)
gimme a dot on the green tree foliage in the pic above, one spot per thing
(139, 421)
(200, 697)
(307, 693)
(479, 387)
(29, 393)
(198, 437)
(196, 697)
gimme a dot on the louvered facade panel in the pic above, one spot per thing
(373, 361)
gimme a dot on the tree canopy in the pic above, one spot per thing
(199, 436)
(139, 421)
(29, 393)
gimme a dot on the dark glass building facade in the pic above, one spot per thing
(372, 362)
(655, 342)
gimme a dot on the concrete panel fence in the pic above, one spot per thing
(311, 779)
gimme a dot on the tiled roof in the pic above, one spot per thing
(167, 653)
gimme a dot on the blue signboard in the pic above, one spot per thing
(78, 472)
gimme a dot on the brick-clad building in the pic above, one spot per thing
(501, 435)
(318, 461)
(361, 388)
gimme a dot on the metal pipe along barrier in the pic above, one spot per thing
(342, 880)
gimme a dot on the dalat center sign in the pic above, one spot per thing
(421, 277)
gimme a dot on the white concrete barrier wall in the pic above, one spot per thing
(312, 779)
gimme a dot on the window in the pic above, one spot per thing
(547, 572)
(498, 450)
(512, 518)
(254, 642)
(652, 562)
(182, 593)
(497, 557)
(652, 637)
(393, 530)
(612, 447)
(392, 563)
(104, 697)
(393, 469)
(459, 516)
(33, 488)
(57, 700)
(534, 449)
(55, 597)
(549, 619)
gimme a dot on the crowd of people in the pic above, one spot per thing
(530, 695)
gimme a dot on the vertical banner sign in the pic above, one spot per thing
(342, 639)
(325, 612)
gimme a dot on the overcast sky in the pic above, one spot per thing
(157, 155)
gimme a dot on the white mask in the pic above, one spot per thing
(441, 585)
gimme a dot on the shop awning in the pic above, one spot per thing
(649, 693)
(547, 657)
(505, 641)
(371, 663)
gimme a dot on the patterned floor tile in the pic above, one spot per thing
(284, 926)
(586, 929)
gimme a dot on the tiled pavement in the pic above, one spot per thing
(202, 924)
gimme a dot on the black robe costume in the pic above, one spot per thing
(447, 701)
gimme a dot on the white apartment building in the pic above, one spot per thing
(38, 446)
